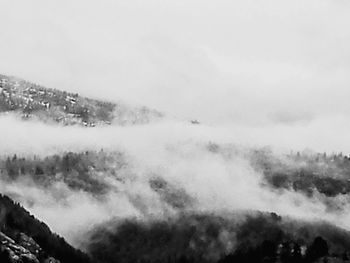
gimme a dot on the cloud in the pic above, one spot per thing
(173, 151)
(255, 73)
(219, 61)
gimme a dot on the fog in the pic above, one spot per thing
(174, 151)
(327, 134)
(254, 73)
(218, 61)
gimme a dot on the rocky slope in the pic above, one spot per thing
(26, 250)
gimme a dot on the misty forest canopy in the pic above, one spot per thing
(308, 173)
(262, 237)
(200, 238)
(114, 208)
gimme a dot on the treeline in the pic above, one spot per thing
(81, 171)
(323, 164)
(29, 98)
(288, 252)
(207, 238)
(307, 173)
(267, 239)
(14, 219)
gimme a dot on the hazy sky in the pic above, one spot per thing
(259, 62)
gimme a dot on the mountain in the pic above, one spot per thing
(31, 100)
(24, 239)
(118, 209)
(188, 235)
(24, 250)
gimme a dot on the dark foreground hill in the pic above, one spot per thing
(241, 237)
(31, 100)
(24, 239)
(256, 237)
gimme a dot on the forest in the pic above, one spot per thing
(191, 236)
(261, 237)
(77, 170)
(14, 220)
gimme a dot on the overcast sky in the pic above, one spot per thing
(244, 61)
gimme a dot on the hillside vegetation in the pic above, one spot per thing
(26, 239)
(240, 238)
(31, 100)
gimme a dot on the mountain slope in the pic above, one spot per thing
(261, 237)
(25, 239)
(191, 236)
(24, 250)
(34, 101)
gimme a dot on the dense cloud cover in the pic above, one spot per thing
(220, 61)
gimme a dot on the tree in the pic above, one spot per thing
(296, 254)
(11, 167)
(318, 249)
(4, 256)
(268, 251)
(39, 170)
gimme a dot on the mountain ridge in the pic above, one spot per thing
(31, 100)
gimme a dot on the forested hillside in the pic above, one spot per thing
(252, 237)
(26, 239)
(31, 100)
(248, 236)
(309, 173)
(85, 171)
(94, 172)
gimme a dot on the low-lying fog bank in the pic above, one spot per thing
(150, 172)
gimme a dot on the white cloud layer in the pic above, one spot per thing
(173, 151)
(219, 61)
